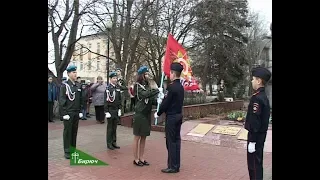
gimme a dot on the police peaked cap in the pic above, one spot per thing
(71, 68)
(262, 73)
(112, 74)
(142, 70)
(176, 67)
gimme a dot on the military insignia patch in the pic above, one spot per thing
(255, 107)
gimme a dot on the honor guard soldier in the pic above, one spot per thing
(64, 79)
(172, 106)
(70, 103)
(123, 89)
(112, 108)
(257, 122)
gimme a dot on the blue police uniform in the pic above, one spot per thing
(257, 122)
(172, 105)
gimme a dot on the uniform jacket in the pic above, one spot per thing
(257, 119)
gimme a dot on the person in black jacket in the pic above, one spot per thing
(257, 122)
(52, 97)
(172, 106)
(85, 99)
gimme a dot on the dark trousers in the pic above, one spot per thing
(255, 160)
(112, 127)
(100, 115)
(70, 131)
(132, 103)
(50, 111)
(173, 140)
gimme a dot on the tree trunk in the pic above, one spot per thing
(210, 88)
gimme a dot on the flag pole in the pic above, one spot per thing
(158, 106)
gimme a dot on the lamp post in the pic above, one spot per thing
(108, 49)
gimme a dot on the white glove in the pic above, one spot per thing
(80, 115)
(156, 115)
(252, 147)
(161, 95)
(108, 115)
(66, 117)
(160, 90)
(119, 112)
(159, 100)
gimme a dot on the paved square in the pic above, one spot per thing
(198, 160)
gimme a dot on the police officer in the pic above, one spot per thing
(70, 103)
(112, 108)
(257, 122)
(172, 106)
(124, 90)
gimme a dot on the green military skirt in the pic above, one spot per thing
(141, 124)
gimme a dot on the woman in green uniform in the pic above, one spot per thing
(145, 98)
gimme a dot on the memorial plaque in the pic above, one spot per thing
(226, 130)
(243, 135)
(200, 130)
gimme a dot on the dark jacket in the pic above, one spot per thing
(52, 92)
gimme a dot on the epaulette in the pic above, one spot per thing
(255, 93)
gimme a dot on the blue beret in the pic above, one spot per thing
(262, 73)
(64, 78)
(71, 68)
(112, 74)
(143, 69)
(176, 67)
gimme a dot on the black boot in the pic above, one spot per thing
(109, 146)
(67, 155)
(115, 146)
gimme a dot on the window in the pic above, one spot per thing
(98, 48)
(81, 54)
(89, 65)
(81, 66)
(89, 53)
(98, 65)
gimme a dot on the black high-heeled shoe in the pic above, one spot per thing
(145, 163)
(139, 163)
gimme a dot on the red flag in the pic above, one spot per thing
(176, 53)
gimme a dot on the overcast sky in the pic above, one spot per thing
(263, 7)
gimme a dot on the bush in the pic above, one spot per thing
(237, 115)
(191, 98)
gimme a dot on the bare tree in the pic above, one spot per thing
(256, 32)
(63, 19)
(166, 16)
(127, 20)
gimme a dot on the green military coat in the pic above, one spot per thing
(145, 98)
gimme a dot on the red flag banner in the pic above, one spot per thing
(176, 53)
